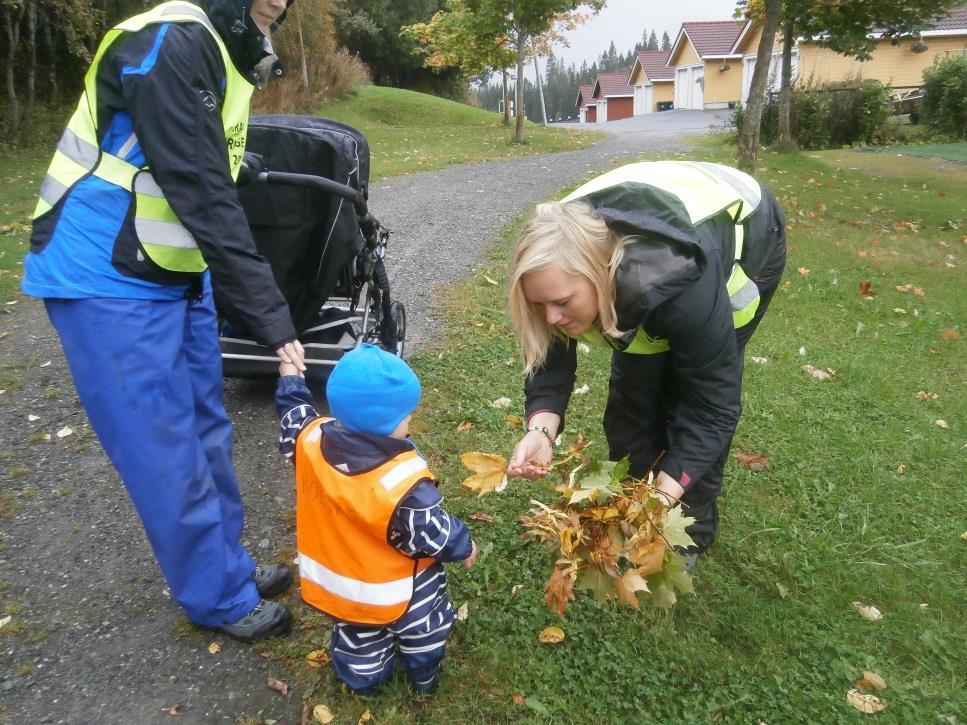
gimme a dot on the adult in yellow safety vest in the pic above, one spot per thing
(672, 265)
(137, 223)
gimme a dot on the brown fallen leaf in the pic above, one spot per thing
(174, 710)
(365, 717)
(489, 472)
(551, 635)
(865, 702)
(870, 681)
(517, 698)
(214, 648)
(559, 590)
(753, 461)
(941, 423)
(926, 395)
(277, 685)
(866, 289)
(481, 516)
(465, 426)
(804, 271)
(318, 658)
(949, 334)
(513, 421)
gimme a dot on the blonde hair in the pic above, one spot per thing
(572, 236)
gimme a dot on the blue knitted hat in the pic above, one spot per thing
(371, 391)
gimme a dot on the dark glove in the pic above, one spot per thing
(252, 165)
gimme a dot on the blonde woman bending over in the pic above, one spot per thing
(672, 264)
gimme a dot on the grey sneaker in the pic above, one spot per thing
(268, 619)
(272, 579)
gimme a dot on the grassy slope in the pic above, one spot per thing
(863, 501)
(409, 131)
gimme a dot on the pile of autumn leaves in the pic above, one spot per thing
(609, 534)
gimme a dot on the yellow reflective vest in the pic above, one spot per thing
(163, 239)
(702, 190)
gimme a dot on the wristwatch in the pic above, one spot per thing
(541, 429)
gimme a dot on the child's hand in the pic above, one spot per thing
(472, 559)
(287, 368)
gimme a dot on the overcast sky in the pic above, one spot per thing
(623, 21)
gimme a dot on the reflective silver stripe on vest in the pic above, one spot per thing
(744, 184)
(164, 234)
(189, 10)
(145, 184)
(127, 146)
(51, 190)
(744, 296)
(77, 149)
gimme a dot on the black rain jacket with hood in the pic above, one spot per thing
(671, 284)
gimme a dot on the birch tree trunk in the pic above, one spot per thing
(302, 53)
(51, 60)
(751, 119)
(31, 8)
(519, 103)
(540, 89)
(11, 22)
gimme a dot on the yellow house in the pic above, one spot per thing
(652, 80)
(900, 66)
(707, 73)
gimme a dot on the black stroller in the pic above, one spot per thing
(304, 189)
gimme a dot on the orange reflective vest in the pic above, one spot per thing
(348, 568)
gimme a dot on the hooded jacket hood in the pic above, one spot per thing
(666, 257)
(246, 43)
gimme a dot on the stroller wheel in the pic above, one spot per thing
(398, 314)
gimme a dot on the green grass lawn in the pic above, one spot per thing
(950, 151)
(409, 131)
(863, 502)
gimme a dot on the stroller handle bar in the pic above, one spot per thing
(368, 223)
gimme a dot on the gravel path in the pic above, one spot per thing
(94, 636)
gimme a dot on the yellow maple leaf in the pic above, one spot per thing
(551, 635)
(318, 658)
(489, 472)
(648, 557)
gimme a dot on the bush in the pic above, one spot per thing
(330, 78)
(944, 106)
(830, 115)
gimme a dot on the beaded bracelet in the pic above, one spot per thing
(541, 429)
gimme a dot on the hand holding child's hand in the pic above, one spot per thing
(288, 368)
(472, 559)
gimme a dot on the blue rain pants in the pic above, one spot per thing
(363, 657)
(149, 375)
